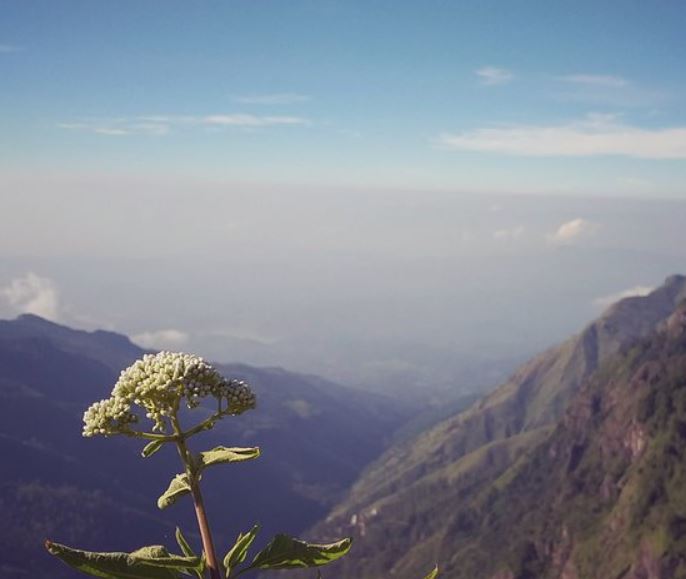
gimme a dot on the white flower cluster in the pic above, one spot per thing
(158, 383)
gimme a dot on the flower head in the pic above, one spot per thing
(157, 384)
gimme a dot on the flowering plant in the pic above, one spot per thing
(156, 388)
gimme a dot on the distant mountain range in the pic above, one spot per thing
(316, 436)
(572, 469)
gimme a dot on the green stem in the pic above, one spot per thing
(200, 513)
(150, 436)
(204, 425)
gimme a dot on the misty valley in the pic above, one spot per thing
(572, 467)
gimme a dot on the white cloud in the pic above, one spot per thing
(158, 125)
(509, 234)
(572, 230)
(169, 339)
(117, 127)
(491, 75)
(284, 98)
(32, 294)
(606, 301)
(110, 131)
(251, 121)
(595, 135)
(595, 80)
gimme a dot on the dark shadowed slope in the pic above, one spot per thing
(316, 437)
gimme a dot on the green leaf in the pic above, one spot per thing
(151, 448)
(178, 487)
(183, 544)
(285, 552)
(433, 573)
(221, 455)
(239, 551)
(188, 551)
(153, 562)
(151, 552)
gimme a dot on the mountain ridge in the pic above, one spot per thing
(449, 463)
(315, 437)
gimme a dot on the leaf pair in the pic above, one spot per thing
(181, 485)
(155, 562)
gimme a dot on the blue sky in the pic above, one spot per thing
(364, 190)
(544, 97)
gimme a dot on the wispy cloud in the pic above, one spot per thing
(595, 135)
(636, 291)
(9, 48)
(242, 120)
(32, 294)
(282, 98)
(607, 89)
(156, 125)
(571, 231)
(117, 127)
(170, 338)
(491, 75)
(595, 80)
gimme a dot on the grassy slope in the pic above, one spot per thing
(604, 496)
(403, 508)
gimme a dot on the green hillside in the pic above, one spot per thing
(439, 497)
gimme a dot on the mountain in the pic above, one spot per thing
(451, 494)
(604, 495)
(99, 494)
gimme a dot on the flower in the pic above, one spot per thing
(158, 383)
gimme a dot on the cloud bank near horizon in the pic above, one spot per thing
(594, 135)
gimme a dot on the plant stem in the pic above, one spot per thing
(150, 436)
(200, 513)
(203, 525)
